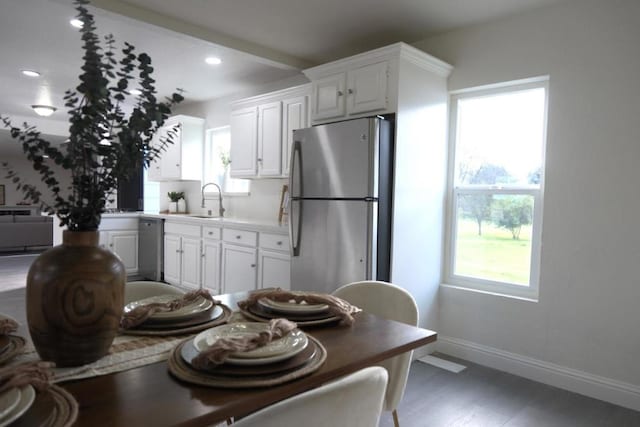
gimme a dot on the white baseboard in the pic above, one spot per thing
(607, 389)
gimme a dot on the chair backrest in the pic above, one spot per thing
(394, 303)
(354, 400)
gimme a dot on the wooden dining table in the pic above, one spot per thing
(151, 396)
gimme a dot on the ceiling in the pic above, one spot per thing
(258, 41)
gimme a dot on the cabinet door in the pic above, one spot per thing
(190, 262)
(211, 266)
(367, 88)
(125, 245)
(244, 142)
(274, 270)
(238, 268)
(172, 259)
(328, 96)
(154, 173)
(294, 116)
(171, 160)
(269, 139)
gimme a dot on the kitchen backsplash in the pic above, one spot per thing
(262, 203)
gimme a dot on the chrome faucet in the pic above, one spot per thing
(221, 210)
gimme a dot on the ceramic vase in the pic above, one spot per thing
(173, 207)
(182, 206)
(75, 299)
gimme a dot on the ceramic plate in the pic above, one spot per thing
(134, 291)
(8, 400)
(198, 306)
(291, 307)
(278, 350)
(204, 317)
(27, 396)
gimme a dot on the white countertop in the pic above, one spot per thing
(243, 223)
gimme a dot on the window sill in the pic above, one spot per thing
(495, 293)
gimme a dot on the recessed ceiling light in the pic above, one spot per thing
(76, 23)
(43, 110)
(212, 60)
(30, 73)
(135, 92)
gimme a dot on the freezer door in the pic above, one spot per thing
(335, 243)
(337, 160)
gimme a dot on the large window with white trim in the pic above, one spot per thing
(496, 181)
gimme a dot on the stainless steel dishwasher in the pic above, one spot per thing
(150, 243)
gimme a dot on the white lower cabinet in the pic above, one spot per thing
(238, 268)
(182, 255)
(120, 236)
(274, 270)
(224, 259)
(211, 266)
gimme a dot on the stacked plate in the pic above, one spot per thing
(302, 313)
(14, 403)
(279, 361)
(193, 317)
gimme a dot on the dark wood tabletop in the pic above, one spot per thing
(149, 395)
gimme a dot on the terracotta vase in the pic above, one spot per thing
(75, 299)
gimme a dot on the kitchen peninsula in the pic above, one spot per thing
(221, 254)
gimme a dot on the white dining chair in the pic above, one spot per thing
(354, 400)
(393, 303)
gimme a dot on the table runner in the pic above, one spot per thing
(126, 352)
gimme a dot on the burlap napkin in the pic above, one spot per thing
(337, 306)
(139, 314)
(223, 347)
(7, 326)
(37, 373)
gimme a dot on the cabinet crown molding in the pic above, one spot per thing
(278, 95)
(398, 50)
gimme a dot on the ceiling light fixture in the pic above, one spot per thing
(135, 92)
(43, 110)
(212, 60)
(76, 23)
(30, 73)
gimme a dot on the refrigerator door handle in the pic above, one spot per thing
(295, 214)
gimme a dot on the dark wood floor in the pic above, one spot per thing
(13, 270)
(476, 397)
(480, 396)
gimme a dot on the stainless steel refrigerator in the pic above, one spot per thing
(340, 186)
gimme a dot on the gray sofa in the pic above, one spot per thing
(22, 232)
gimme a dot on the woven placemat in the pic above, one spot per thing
(226, 314)
(16, 344)
(53, 407)
(185, 372)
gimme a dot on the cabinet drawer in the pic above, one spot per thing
(231, 235)
(211, 233)
(183, 229)
(276, 242)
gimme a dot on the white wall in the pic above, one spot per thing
(588, 317)
(264, 199)
(25, 170)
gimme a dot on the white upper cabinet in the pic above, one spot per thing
(328, 96)
(181, 160)
(295, 115)
(365, 84)
(367, 88)
(261, 132)
(270, 139)
(244, 142)
(360, 90)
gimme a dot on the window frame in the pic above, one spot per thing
(530, 291)
(207, 155)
